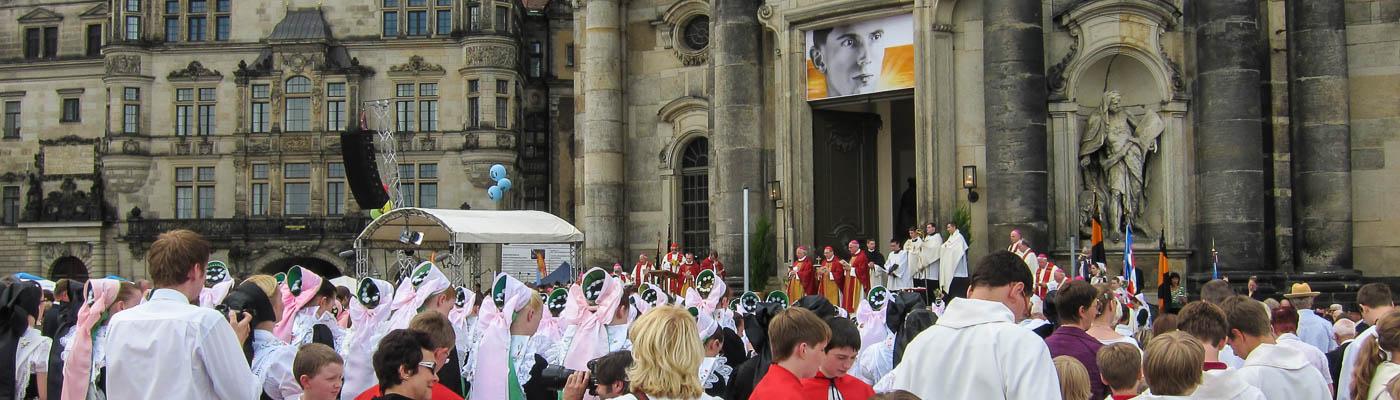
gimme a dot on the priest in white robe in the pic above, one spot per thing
(897, 269)
(953, 256)
(1022, 249)
(927, 272)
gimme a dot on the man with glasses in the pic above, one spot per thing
(976, 348)
(404, 365)
(606, 377)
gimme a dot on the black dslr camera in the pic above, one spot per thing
(554, 377)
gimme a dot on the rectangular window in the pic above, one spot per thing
(33, 38)
(206, 94)
(206, 174)
(335, 115)
(131, 94)
(502, 86)
(11, 119)
(502, 19)
(444, 3)
(501, 116)
(417, 23)
(184, 94)
(406, 171)
(298, 118)
(569, 55)
(391, 23)
(94, 40)
(259, 171)
(199, 6)
(206, 202)
(427, 115)
(70, 110)
(221, 6)
(404, 113)
(10, 208)
(297, 198)
(261, 91)
(133, 28)
(182, 120)
(196, 28)
(391, 3)
(417, 3)
(206, 119)
(258, 206)
(427, 171)
(131, 118)
(427, 89)
(474, 18)
(335, 89)
(427, 195)
(473, 112)
(221, 28)
(184, 174)
(133, 5)
(335, 198)
(444, 22)
(51, 42)
(172, 6)
(403, 90)
(184, 202)
(297, 171)
(172, 29)
(473, 86)
(259, 116)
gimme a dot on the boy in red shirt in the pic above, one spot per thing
(840, 355)
(1120, 367)
(798, 339)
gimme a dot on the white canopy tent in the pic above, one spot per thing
(454, 231)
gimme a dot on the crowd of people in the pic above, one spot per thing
(915, 324)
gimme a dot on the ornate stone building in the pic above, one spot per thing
(124, 119)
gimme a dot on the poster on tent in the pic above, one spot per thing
(862, 57)
(524, 261)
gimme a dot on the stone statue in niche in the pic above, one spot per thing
(1113, 154)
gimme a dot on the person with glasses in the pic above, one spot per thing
(976, 348)
(404, 365)
(606, 377)
(1077, 305)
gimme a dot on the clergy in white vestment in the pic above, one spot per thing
(1280, 372)
(913, 251)
(976, 343)
(1375, 301)
(896, 268)
(927, 271)
(1022, 250)
(1208, 324)
(953, 258)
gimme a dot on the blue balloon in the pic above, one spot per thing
(495, 193)
(498, 172)
(504, 183)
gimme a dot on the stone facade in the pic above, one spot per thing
(228, 123)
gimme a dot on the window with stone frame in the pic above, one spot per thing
(473, 16)
(131, 110)
(94, 41)
(296, 189)
(259, 108)
(695, 196)
(40, 42)
(335, 189)
(536, 59)
(194, 192)
(12, 121)
(296, 113)
(133, 28)
(335, 106)
(418, 18)
(258, 193)
(197, 20)
(70, 110)
(195, 111)
(418, 184)
(502, 20)
(9, 206)
(502, 104)
(418, 99)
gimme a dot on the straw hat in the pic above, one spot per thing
(1300, 290)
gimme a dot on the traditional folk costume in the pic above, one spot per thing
(217, 283)
(953, 266)
(551, 329)
(829, 278)
(369, 316)
(1048, 277)
(801, 279)
(995, 358)
(715, 372)
(503, 365)
(84, 363)
(425, 281)
(463, 319)
(303, 322)
(588, 335)
(26, 349)
(269, 357)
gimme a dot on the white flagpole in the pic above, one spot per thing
(746, 238)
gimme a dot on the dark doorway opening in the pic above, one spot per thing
(68, 267)
(321, 267)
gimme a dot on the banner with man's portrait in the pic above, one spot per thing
(862, 57)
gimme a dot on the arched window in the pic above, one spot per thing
(298, 84)
(695, 197)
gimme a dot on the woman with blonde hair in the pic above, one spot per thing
(1110, 312)
(1074, 378)
(663, 367)
(1376, 367)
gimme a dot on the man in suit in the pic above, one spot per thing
(1344, 330)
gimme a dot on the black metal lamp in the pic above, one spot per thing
(969, 181)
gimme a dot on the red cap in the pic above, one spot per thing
(675, 245)
(828, 248)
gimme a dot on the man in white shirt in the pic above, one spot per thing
(1280, 372)
(1285, 321)
(976, 350)
(1375, 301)
(1312, 329)
(167, 348)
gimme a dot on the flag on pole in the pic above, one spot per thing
(1214, 261)
(1096, 253)
(1162, 263)
(1129, 273)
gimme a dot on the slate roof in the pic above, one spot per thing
(301, 25)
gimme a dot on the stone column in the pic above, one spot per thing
(1229, 136)
(1322, 139)
(1016, 111)
(603, 135)
(736, 140)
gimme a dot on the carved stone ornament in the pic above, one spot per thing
(688, 26)
(297, 248)
(55, 250)
(297, 63)
(483, 55)
(416, 66)
(195, 72)
(124, 64)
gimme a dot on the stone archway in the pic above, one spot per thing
(68, 267)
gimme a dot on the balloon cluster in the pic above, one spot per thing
(498, 191)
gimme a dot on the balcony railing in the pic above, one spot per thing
(231, 229)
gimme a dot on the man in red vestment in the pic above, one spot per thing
(831, 275)
(804, 273)
(641, 269)
(711, 262)
(689, 270)
(1048, 275)
(857, 279)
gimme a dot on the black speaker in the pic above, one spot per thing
(361, 171)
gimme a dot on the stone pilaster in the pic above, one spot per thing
(736, 141)
(1013, 62)
(1229, 136)
(603, 136)
(1321, 135)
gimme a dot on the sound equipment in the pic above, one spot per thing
(361, 170)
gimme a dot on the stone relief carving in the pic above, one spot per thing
(416, 66)
(70, 204)
(685, 29)
(298, 62)
(1113, 154)
(195, 71)
(123, 65)
(55, 250)
(1056, 78)
(489, 56)
(297, 143)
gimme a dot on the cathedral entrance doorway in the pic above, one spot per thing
(863, 171)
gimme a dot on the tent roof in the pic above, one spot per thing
(472, 226)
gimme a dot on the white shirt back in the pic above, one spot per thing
(1349, 362)
(976, 351)
(1282, 374)
(1224, 385)
(1315, 331)
(1314, 356)
(167, 348)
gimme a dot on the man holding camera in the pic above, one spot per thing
(606, 377)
